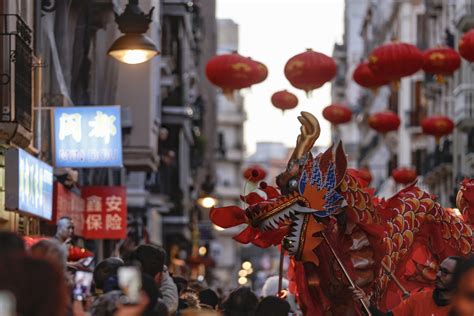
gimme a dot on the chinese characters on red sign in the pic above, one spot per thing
(69, 204)
(105, 214)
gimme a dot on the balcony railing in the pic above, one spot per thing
(438, 158)
(464, 14)
(464, 106)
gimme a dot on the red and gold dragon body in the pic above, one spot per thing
(323, 209)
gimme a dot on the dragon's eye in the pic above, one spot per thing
(293, 184)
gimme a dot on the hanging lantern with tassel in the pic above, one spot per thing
(441, 62)
(310, 70)
(284, 100)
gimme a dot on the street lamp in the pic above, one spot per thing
(207, 201)
(134, 47)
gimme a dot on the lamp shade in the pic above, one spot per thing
(133, 48)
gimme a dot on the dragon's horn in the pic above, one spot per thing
(310, 131)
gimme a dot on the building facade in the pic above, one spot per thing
(425, 24)
(168, 108)
(230, 151)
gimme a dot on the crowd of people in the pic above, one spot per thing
(39, 282)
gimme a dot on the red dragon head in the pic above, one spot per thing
(308, 194)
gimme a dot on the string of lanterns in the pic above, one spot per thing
(310, 70)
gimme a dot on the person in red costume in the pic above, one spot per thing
(433, 302)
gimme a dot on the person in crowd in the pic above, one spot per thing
(191, 299)
(462, 302)
(435, 302)
(50, 250)
(105, 275)
(54, 252)
(208, 299)
(11, 242)
(240, 302)
(272, 305)
(181, 284)
(37, 285)
(65, 230)
(152, 260)
(270, 287)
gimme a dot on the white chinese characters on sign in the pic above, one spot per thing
(94, 204)
(113, 203)
(113, 222)
(103, 126)
(70, 125)
(94, 222)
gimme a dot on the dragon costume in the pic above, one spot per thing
(322, 211)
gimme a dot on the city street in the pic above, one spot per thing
(237, 158)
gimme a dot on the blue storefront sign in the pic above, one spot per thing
(87, 137)
(29, 184)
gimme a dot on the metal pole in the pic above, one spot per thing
(280, 272)
(406, 294)
(341, 265)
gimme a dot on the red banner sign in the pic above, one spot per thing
(105, 214)
(69, 204)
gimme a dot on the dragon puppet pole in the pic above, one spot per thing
(406, 294)
(280, 272)
(341, 265)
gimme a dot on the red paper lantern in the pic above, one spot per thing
(395, 60)
(310, 70)
(441, 62)
(404, 175)
(384, 122)
(364, 77)
(255, 173)
(231, 72)
(261, 72)
(284, 100)
(437, 126)
(466, 46)
(337, 114)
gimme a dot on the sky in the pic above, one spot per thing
(273, 31)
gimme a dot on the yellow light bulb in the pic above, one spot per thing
(202, 251)
(246, 265)
(242, 280)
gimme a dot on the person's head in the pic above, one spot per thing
(208, 299)
(181, 283)
(241, 301)
(38, 286)
(11, 242)
(50, 250)
(462, 301)
(445, 273)
(191, 299)
(106, 270)
(272, 305)
(151, 260)
(65, 229)
(270, 288)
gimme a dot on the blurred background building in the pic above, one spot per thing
(54, 54)
(425, 24)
